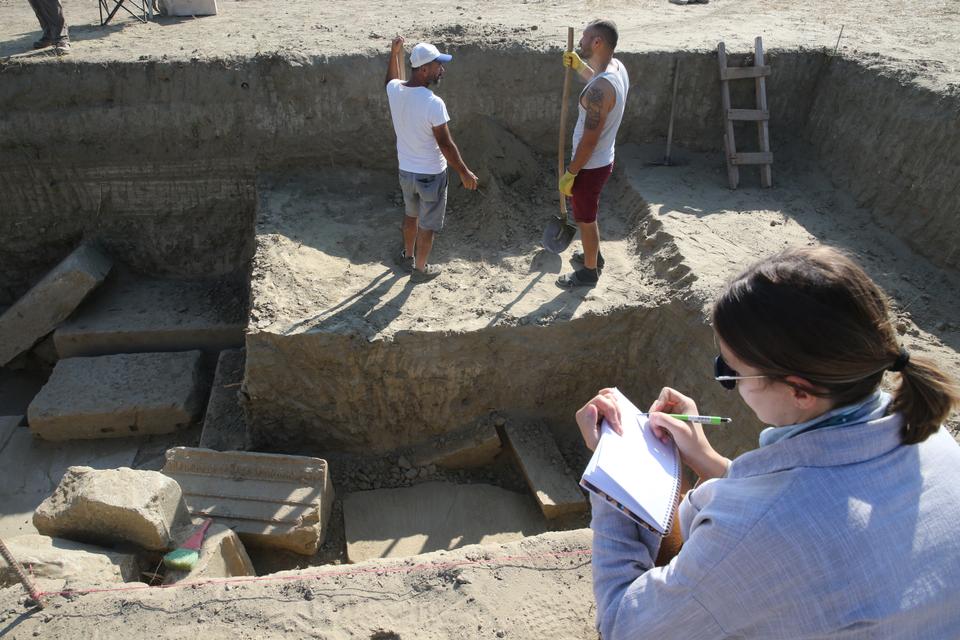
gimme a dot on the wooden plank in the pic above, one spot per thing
(756, 157)
(729, 143)
(748, 114)
(763, 131)
(740, 73)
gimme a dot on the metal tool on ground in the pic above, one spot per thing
(559, 232)
(24, 579)
(667, 160)
(759, 71)
(186, 555)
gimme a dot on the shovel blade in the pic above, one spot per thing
(558, 235)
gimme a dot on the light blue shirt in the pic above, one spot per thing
(832, 533)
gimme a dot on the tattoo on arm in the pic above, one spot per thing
(594, 99)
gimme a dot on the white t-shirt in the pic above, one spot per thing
(415, 112)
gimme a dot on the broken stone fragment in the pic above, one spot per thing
(221, 556)
(51, 301)
(113, 506)
(73, 563)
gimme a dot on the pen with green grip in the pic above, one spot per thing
(699, 419)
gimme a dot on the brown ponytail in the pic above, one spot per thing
(925, 398)
(814, 313)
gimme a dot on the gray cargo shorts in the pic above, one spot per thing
(425, 197)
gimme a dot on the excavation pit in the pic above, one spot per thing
(278, 172)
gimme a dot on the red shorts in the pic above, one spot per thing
(586, 192)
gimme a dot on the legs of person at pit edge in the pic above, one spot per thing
(424, 245)
(590, 237)
(409, 235)
(50, 15)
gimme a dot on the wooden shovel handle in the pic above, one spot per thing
(563, 125)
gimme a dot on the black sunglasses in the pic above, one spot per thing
(726, 375)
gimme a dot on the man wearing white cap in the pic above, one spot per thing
(424, 147)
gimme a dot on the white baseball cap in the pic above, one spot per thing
(424, 53)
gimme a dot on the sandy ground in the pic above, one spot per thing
(922, 37)
(696, 235)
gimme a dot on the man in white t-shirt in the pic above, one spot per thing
(424, 147)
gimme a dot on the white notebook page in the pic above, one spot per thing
(644, 471)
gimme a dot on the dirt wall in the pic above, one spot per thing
(893, 145)
(158, 160)
(343, 392)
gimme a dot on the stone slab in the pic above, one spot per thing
(140, 315)
(221, 556)
(31, 469)
(51, 301)
(539, 457)
(268, 499)
(475, 446)
(74, 563)
(120, 395)
(113, 506)
(395, 523)
(8, 425)
(224, 425)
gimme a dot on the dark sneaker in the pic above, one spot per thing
(43, 43)
(404, 261)
(429, 272)
(580, 278)
(577, 258)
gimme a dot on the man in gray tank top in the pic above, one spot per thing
(600, 110)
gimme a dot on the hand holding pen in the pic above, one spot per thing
(683, 427)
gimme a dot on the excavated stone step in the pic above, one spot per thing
(143, 315)
(268, 499)
(556, 491)
(51, 301)
(119, 395)
(394, 523)
(224, 425)
(475, 446)
(72, 562)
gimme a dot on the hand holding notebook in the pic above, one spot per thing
(636, 472)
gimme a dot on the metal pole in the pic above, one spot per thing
(24, 579)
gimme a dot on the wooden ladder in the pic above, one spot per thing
(760, 115)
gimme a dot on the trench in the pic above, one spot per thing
(277, 178)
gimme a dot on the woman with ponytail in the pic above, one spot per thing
(844, 522)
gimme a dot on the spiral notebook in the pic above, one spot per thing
(637, 473)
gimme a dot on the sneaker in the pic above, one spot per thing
(580, 278)
(61, 47)
(43, 43)
(429, 272)
(577, 258)
(404, 261)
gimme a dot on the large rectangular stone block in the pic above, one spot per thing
(556, 491)
(72, 562)
(120, 395)
(140, 315)
(113, 505)
(224, 425)
(268, 499)
(51, 301)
